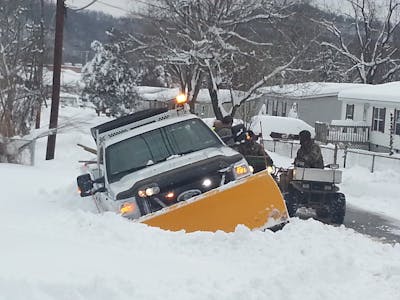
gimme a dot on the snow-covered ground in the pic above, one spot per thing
(55, 246)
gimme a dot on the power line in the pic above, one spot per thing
(124, 9)
(150, 4)
(84, 7)
(113, 6)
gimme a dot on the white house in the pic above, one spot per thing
(377, 106)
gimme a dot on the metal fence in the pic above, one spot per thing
(345, 157)
(18, 151)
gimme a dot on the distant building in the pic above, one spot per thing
(313, 101)
(376, 106)
(68, 66)
(71, 81)
(310, 102)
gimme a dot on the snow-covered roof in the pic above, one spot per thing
(387, 92)
(68, 78)
(165, 94)
(68, 95)
(283, 125)
(308, 89)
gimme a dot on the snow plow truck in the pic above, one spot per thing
(168, 169)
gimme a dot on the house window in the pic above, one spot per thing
(284, 108)
(365, 112)
(397, 121)
(275, 108)
(378, 119)
(350, 111)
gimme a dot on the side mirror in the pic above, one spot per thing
(85, 185)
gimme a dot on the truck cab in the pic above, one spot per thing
(155, 158)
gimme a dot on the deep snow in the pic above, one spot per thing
(55, 246)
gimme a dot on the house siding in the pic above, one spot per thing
(310, 110)
(321, 109)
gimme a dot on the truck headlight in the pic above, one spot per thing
(152, 191)
(207, 182)
(148, 191)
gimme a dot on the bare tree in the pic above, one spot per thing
(214, 42)
(18, 66)
(368, 44)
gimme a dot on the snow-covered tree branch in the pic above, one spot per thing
(372, 56)
(19, 84)
(218, 43)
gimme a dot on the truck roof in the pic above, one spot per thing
(124, 121)
(172, 119)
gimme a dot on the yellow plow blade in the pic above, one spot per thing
(255, 202)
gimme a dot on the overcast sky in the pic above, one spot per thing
(116, 8)
(120, 8)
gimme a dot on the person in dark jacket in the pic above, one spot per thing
(250, 149)
(224, 129)
(309, 155)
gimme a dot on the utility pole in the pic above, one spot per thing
(55, 99)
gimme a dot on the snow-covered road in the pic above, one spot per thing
(55, 246)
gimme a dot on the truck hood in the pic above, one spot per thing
(129, 180)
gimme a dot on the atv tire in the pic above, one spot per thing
(338, 208)
(291, 205)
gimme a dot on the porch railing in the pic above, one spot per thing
(326, 133)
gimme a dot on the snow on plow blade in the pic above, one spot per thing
(255, 202)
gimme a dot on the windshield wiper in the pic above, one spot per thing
(187, 151)
(121, 174)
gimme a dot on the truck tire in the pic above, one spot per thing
(322, 212)
(338, 208)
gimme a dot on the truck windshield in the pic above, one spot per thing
(158, 145)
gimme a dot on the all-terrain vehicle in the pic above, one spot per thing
(167, 168)
(316, 189)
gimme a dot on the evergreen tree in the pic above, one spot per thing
(110, 80)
